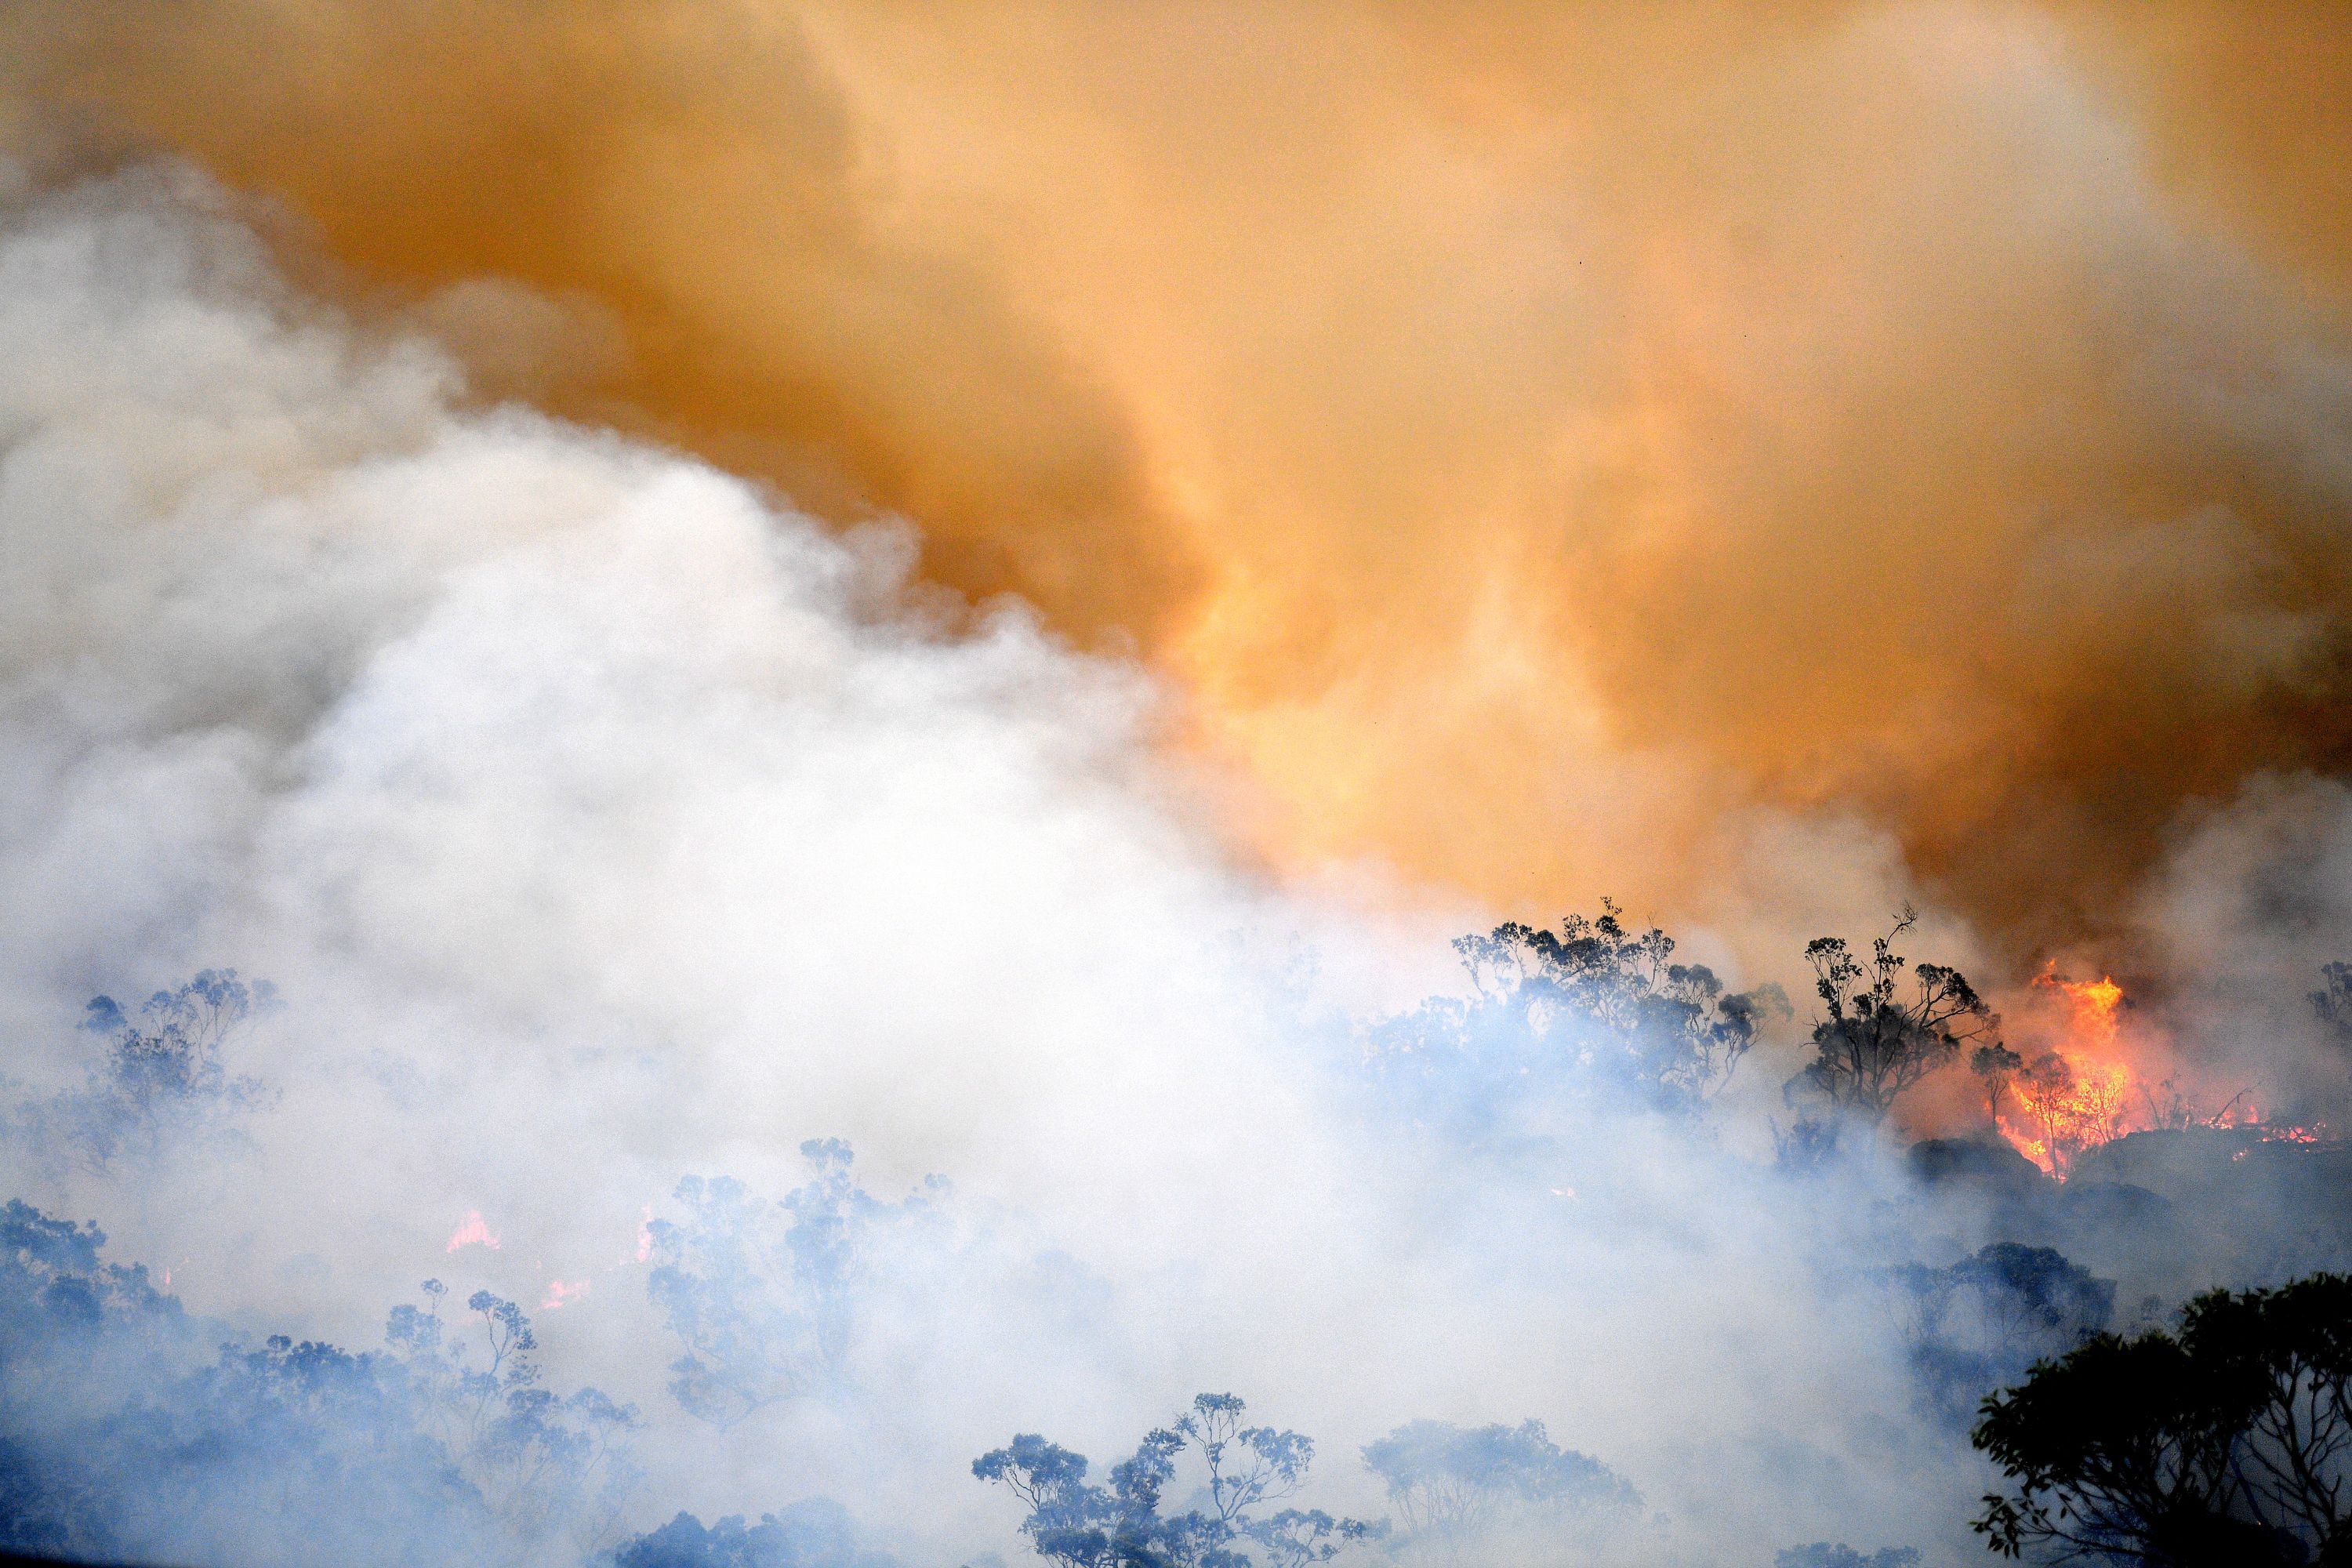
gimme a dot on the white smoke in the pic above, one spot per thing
(602, 821)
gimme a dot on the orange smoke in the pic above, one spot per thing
(1537, 437)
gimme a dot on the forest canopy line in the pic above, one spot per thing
(2163, 1448)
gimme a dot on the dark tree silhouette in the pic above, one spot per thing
(1081, 1525)
(1983, 1322)
(1997, 1067)
(2333, 1003)
(1873, 1041)
(2228, 1442)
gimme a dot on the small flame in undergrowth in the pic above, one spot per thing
(559, 1292)
(474, 1232)
(2251, 1119)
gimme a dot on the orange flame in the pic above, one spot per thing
(474, 1232)
(2072, 1098)
(2080, 1094)
(2093, 1005)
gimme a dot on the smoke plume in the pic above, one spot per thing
(691, 580)
(1536, 439)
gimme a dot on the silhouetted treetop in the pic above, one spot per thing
(1080, 1524)
(1876, 1038)
(1590, 1006)
(2229, 1441)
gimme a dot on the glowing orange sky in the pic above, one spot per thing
(1538, 437)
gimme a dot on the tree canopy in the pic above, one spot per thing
(1592, 1007)
(2226, 1442)
(1448, 1481)
(1875, 1039)
(1079, 1524)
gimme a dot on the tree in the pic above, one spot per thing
(760, 1294)
(2072, 1111)
(1592, 1005)
(1079, 1524)
(2333, 1003)
(538, 1458)
(161, 1073)
(1997, 1065)
(1824, 1554)
(2228, 1442)
(130, 1432)
(1983, 1321)
(816, 1533)
(1449, 1482)
(1872, 1042)
(746, 1343)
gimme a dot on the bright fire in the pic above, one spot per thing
(2056, 1105)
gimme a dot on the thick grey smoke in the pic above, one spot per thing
(603, 822)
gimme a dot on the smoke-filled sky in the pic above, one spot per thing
(599, 824)
(1540, 442)
(995, 581)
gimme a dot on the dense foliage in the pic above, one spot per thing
(1981, 1321)
(2226, 1441)
(437, 1438)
